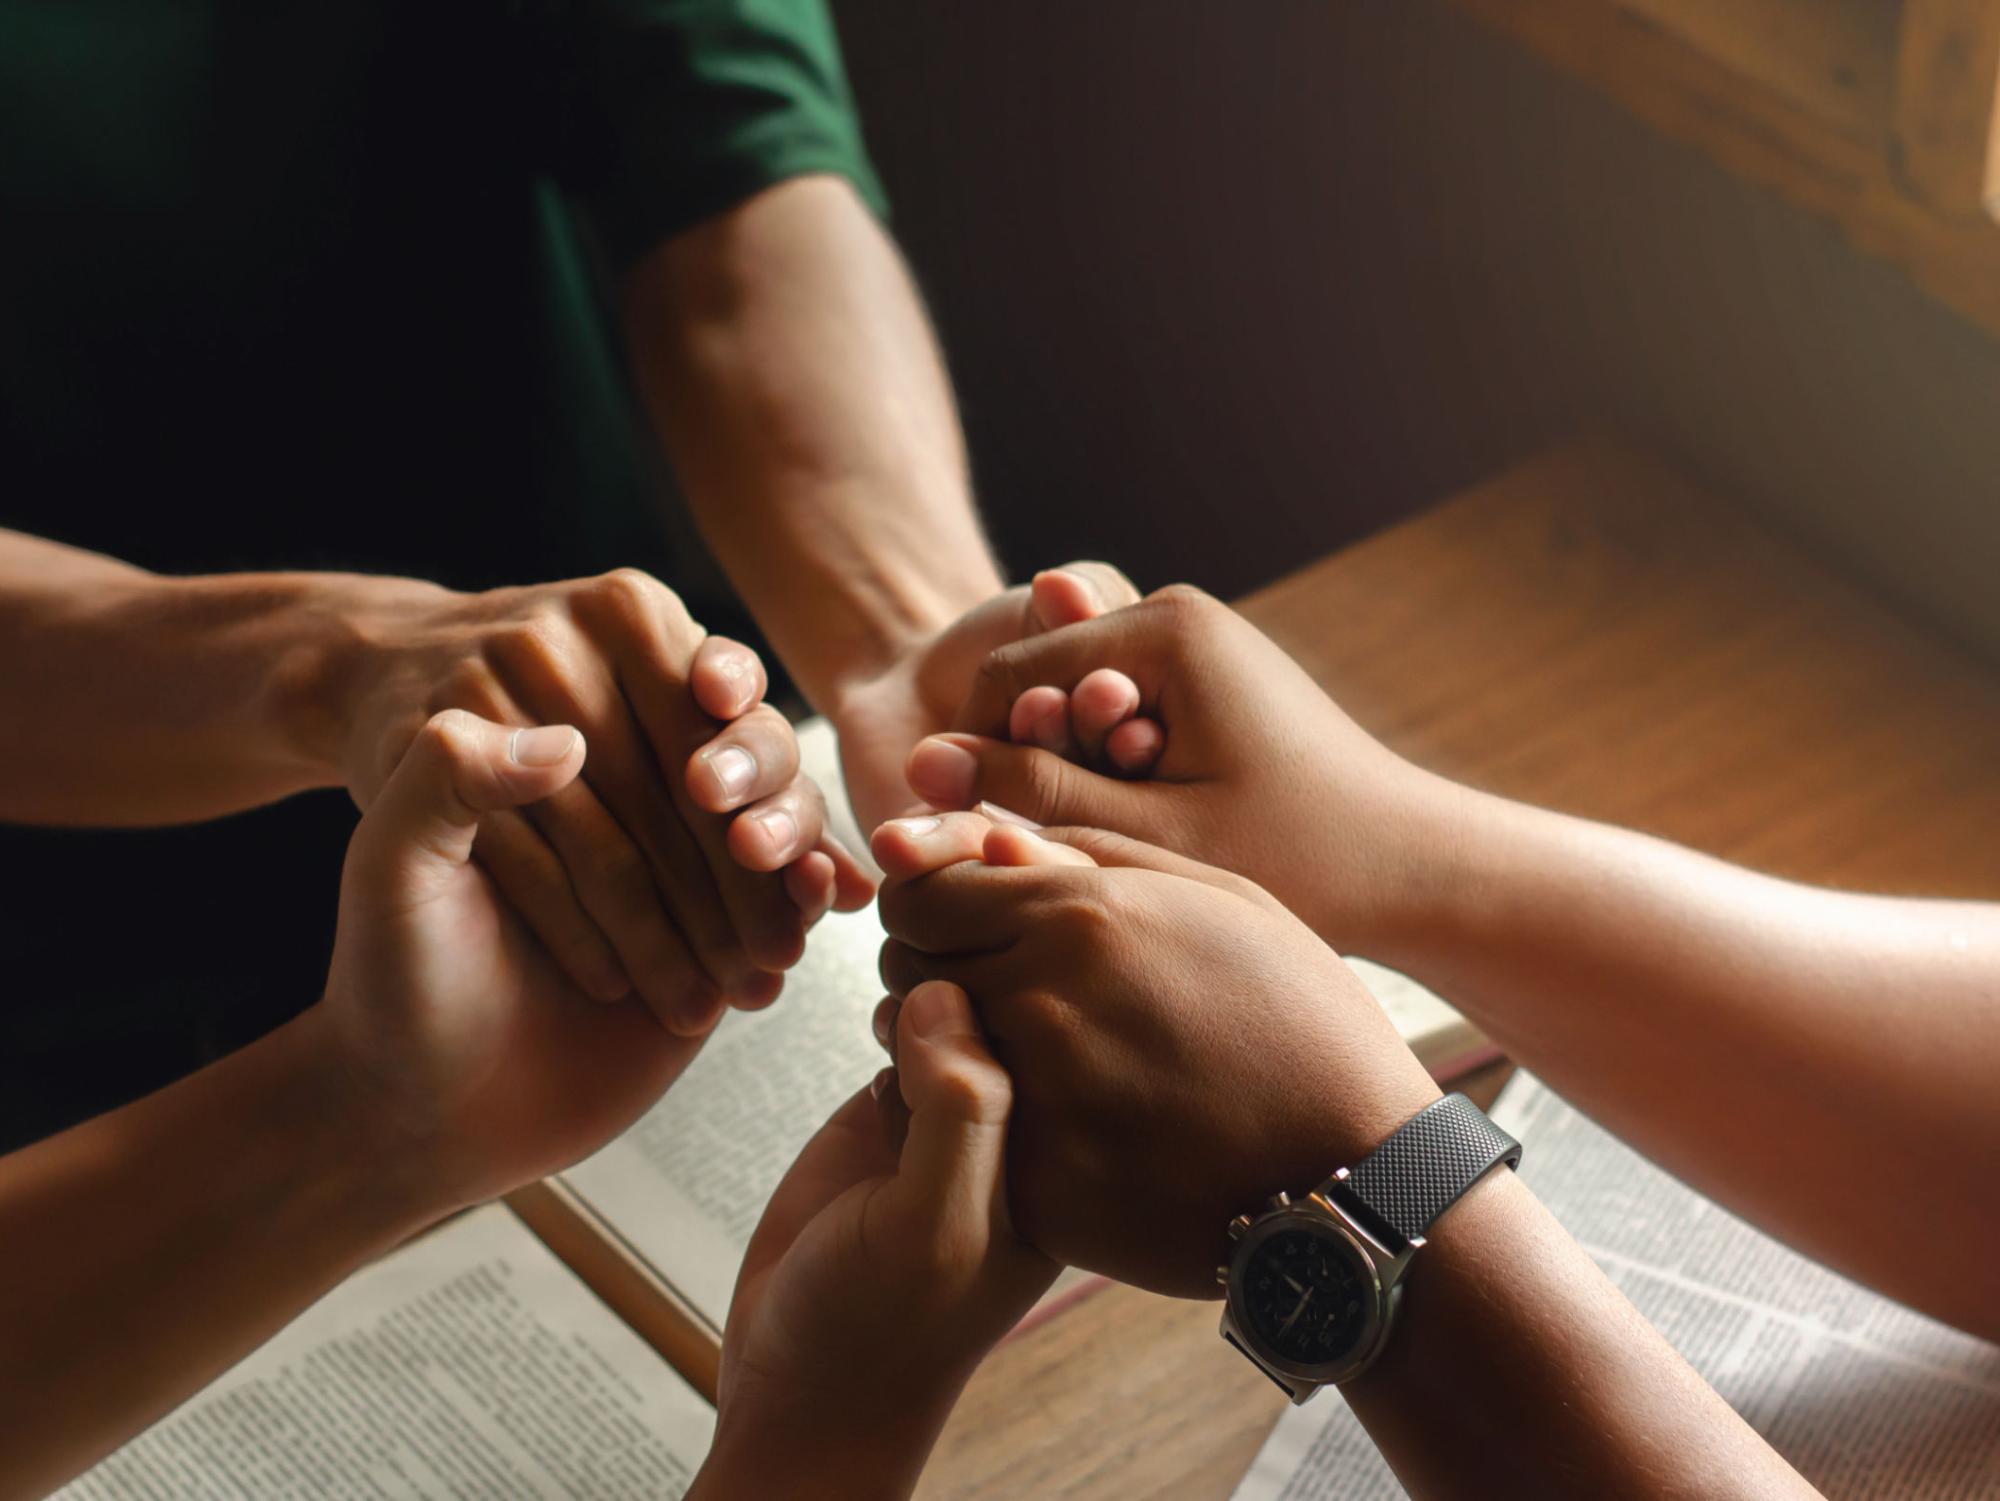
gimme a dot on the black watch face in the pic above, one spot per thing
(1306, 1295)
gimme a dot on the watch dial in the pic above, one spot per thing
(1306, 1296)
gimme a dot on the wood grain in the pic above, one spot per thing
(1948, 103)
(1592, 633)
(1837, 168)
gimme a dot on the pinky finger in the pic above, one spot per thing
(1135, 746)
(853, 885)
(810, 882)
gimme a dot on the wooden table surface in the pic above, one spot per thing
(1591, 633)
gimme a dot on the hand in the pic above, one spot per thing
(474, 1056)
(884, 1269)
(1259, 771)
(659, 870)
(881, 718)
(1181, 1046)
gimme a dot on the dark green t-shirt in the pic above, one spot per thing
(321, 285)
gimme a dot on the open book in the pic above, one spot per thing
(1860, 1395)
(659, 1220)
(471, 1364)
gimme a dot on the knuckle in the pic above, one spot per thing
(633, 600)
(1182, 602)
(449, 734)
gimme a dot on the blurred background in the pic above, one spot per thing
(1272, 276)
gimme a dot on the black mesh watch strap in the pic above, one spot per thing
(1427, 1162)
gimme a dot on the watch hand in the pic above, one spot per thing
(1295, 1287)
(1285, 1328)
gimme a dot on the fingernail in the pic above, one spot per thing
(1051, 731)
(941, 772)
(883, 1024)
(734, 769)
(780, 828)
(935, 1011)
(917, 828)
(546, 745)
(994, 813)
(879, 1083)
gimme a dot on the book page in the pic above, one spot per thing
(471, 1364)
(685, 1186)
(1863, 1397)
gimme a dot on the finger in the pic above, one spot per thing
(909, 847)
(727, 914)
(1135, 747)
(970, 907)
(853, 882)
(1105, 699)
(771, 834)
(883, 1024)
(809, 881)
(1145, 641)
(891, 1109)
(616, 883)
(726, 677)
(1041, 716)
(753, 757)
(532, 879)
(957, 771)
(1077, 592)
(1111, 850)
(1010, 844)
(958, 1096)
(421, 825)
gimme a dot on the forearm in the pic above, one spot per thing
(139, 699)
(1777, 1045)
(1516, 1368)
(789, 367)
(150, 1249)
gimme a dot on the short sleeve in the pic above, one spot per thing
(670, 111)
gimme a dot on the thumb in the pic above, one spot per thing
(459, 767)
(1116, 851)
(958, 770)
(958, 1096)
(1077, 592)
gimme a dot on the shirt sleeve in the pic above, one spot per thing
(671, 111)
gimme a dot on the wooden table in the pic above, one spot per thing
(1590, 633)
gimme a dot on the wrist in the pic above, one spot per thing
(346, 627)
(344, 1137)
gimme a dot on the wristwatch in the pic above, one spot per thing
(1314, 1283)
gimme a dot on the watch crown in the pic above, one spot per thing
(1281, 1200)
(1222, 1275)
(1239, 1226)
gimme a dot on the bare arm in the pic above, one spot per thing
(137, 699)
(792, 372)
(1821, 1061)
(150, 1249)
